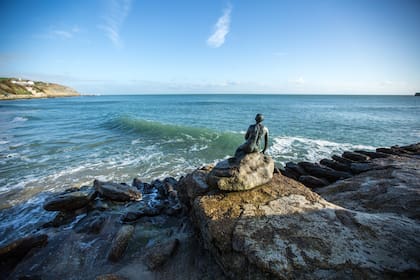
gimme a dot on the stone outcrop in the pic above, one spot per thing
(244, 173)
(117, 192)
(284, 230)
(69, 200)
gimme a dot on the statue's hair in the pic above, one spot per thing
(259, 118)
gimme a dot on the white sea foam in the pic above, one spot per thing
(19, 119)
(286, 149)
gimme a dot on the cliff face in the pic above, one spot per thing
(11, 88)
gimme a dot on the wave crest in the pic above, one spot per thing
(286, 149)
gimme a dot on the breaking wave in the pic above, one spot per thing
(286, 149)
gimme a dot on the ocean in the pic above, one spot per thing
(48, 145)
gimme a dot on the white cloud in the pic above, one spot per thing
(221, 29)
(300, 81)
(117, 12)
(63, 33)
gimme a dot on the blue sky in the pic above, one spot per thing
(135, 46)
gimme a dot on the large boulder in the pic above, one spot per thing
(244, 173)
(284, 230)
(117, 192)
(159, 253)
(69, 201)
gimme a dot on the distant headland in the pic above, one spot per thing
(417, 94)
(13, 88)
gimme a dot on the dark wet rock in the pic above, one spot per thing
(137, 183)
(61, 219)
(69, 200)
(399, 151)
(117, 192)
(290, 173)
(99, 204)
(120, 242)
(387, 151)
(414, 148)
(342, 160)
(372, 154)
(147, 188)
(244, 173)
(313, 182)
(90, 224)
(335, 165)
(30, 277)
(360, 167)
(355, 156)
(173, 210)
(12, 253)
(110, 277)
(323, 172)
(132, 216)
(295, 168)
(171, 183)
(160, 253)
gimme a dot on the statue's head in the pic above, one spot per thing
(259, 118)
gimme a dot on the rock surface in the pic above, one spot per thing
(69, 201)
(244, 173)
(14, 252)
(120, 242)
(160, 253)
(117, 192)
(392, 188)
(284, 230)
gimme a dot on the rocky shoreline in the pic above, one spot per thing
(352, 216)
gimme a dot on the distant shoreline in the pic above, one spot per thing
(16, 89)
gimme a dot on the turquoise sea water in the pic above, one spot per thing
(47, 145)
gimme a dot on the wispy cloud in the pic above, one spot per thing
(117, 12)
(60, 33)
(221, 29)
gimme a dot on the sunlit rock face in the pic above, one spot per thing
(284, 230)
(244, 173)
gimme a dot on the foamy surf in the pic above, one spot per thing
(286, 149)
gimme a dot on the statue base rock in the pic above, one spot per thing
(243, 173)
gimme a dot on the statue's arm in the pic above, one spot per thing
(247, 134)
(265, 140)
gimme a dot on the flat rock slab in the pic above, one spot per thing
(284, 230)
(392, 187)
(239, 174)
(68, 201)
(117, 192)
